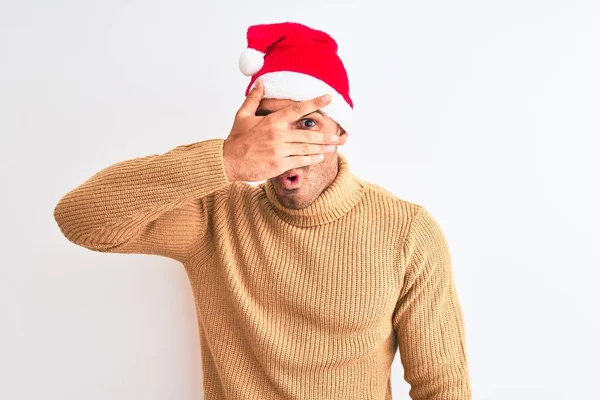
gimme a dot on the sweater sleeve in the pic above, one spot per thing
(428, 319)
(146, 205)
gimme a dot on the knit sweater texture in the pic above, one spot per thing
(306, 303)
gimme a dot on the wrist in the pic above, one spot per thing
(229, 173)
(227, 166)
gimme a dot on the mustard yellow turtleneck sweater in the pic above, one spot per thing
(291, 304)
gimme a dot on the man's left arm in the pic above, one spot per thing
(428, 319)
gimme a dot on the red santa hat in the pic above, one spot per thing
(298, 63)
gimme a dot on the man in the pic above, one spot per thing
(307, 284)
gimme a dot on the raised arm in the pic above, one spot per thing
(147, 205)
(428, 319)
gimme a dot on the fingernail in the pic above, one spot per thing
(325, 98)
(334, 138)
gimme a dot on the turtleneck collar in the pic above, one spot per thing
(335, 201)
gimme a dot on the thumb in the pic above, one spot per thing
(252, 101)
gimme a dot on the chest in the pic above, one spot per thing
(339, 276)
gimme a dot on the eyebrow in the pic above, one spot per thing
(261, 112)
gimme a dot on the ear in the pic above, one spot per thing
(342, 135)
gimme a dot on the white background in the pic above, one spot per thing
(485, 112)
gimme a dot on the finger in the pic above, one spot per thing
(301, 161)
(252, 101)
(302, 149)
(308, 136)
(296, 110)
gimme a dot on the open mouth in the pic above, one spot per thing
(291, 181)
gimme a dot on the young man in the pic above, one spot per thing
(307, 284)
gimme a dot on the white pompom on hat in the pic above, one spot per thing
(251, 61)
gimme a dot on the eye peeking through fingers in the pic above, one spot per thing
(308, 123)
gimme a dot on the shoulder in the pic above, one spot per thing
(395, 206)
(411, 219)
(418, 230)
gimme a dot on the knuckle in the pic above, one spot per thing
(273, 153)
(298, 106)
(268, 124)
(272, 135)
